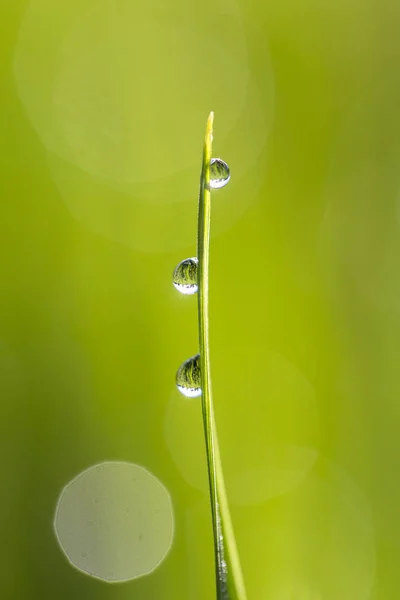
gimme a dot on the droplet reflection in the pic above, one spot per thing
(184, 277)
(219, 173)
(188, 378)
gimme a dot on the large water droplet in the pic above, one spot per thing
(184, 277)
(188, 379)
(219, 173)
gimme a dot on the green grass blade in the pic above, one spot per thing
(229, 577)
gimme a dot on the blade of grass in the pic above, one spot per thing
(230, 584)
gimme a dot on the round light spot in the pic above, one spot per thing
(91, 85)
(114, 62)
(115, 521)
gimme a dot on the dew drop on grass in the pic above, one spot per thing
(188, 379)
(219, 173)
(184, 277)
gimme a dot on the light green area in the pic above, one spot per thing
(102, 115)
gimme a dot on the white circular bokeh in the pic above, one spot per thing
(115, 521)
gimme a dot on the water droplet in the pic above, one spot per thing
(185, 276)
(188, 380)
(219, 173)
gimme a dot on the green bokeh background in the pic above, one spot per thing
(103, 107)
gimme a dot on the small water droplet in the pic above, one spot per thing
(188, 379)
(219, 173)
(184, 277)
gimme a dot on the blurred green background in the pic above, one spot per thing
(103, 108)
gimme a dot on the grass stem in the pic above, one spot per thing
(230, 584)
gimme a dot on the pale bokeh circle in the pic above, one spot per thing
(120, 85)
(119, 94)
(277, 422)
(115, 521)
